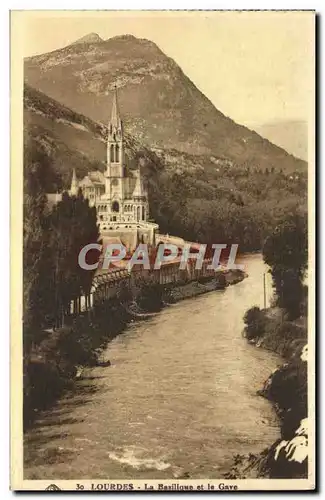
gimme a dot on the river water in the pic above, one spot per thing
(179, 399)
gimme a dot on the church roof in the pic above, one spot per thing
(93, 178)
(96, 176)
(86, 182)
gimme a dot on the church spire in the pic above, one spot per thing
(115, 115)
(115, 143)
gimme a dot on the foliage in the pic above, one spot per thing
(255, 323)
(285, 251)
(232, 206)
(124, 294)
(72, 225)
(150, 297)
(36, 254)
(52, 241)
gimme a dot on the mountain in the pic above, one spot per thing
(69, 139)
(160, 106)
(197, 197)
(290, 135)
(72, 140)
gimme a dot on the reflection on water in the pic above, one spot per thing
(179, 399)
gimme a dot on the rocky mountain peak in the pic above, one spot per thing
(90, 38)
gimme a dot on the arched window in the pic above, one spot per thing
(138, 213)
(143, 214)
(112, 159)
(115, 206)
(117, 153)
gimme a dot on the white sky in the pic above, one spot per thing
(256, 67)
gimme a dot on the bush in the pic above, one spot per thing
(255, 323)
(151, 297)
(43, 383)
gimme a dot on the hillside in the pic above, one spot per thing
(202, 198)
(290, 135)
(160, 106)
(72, 140)
(69, 139)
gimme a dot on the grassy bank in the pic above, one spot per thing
(59, 357)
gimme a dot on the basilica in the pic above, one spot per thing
(118, 194)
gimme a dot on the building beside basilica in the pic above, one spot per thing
(118, 194)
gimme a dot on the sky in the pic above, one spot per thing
(256, 67)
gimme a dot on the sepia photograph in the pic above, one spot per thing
(163, 272)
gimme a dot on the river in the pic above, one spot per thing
(179, 399)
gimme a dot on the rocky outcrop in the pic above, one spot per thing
(287, 389)
(90, 38)
(290, 457)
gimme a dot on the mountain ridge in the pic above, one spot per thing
(160, 105)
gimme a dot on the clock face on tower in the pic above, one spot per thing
(115, 182)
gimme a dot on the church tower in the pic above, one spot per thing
(115, 157)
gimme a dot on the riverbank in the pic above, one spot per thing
(58, 360)
(286, 388)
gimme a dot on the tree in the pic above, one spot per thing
(285, 251)
(72, 225)
(255, 323)
(36, 254)
(52, 241)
